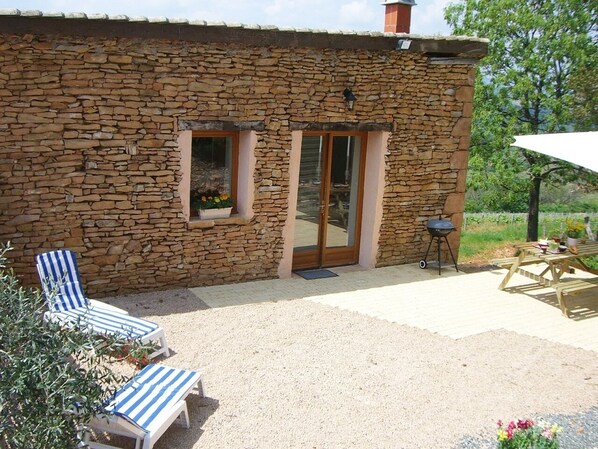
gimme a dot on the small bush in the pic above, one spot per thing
(526, 434)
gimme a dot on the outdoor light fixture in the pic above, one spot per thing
(403, 44)
(349, 98)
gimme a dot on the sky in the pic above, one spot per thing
(359, 15)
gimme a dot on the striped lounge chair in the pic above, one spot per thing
(67, 304)
(146, 406)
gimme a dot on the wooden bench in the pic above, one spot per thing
(508, 262)
(572, 287)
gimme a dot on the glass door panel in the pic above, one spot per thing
(343, 189)
(307, 221)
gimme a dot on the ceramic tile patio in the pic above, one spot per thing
(455, 305)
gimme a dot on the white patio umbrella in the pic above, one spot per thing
(578, 148)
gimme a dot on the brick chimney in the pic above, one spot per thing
(397, 17)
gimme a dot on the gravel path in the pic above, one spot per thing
(296, 374)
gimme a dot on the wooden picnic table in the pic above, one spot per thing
(557, 263)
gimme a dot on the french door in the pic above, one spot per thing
(328, 215)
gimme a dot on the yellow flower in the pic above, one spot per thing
(216, 200)
(203, 198)
(574, 228)
(502, 434)
(556, 429)
(224, 196)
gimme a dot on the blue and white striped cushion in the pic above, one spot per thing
(59, 274)
(153, 390)
(106, 321)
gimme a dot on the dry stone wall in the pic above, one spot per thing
(90, 161)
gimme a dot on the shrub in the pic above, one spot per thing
(53, 379)
(526, 434)
(574, 228)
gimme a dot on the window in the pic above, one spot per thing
(228, 162)
(214, 164)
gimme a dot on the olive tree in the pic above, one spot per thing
(52, 379)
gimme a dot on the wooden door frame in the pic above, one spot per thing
(323, 257)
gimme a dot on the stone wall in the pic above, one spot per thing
(90, 161)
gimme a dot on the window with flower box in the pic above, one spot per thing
(227, 158)
(214, 166)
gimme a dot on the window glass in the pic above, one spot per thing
(211, 164)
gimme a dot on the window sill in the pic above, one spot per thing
(196, 223)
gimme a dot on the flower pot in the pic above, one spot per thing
(211, 214)
(571, 242)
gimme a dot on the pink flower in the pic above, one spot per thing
(525, 424)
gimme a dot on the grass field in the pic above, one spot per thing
(482, 242)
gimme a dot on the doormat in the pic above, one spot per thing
(315, 274)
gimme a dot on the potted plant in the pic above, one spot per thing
(212, 204)
(574, 230)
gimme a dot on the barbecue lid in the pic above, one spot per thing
(440, 224)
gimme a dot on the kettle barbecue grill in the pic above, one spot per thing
(438, 230)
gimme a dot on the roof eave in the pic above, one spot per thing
(78, 24)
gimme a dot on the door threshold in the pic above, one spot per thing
(347, 268)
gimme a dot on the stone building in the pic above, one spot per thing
(335, 147)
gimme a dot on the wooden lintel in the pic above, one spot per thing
(453, 61)
(221, 125)
(340, 126)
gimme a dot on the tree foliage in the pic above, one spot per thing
(532, 81)
(53, 379)
(585, 104)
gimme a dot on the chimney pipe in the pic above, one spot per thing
(397, 17)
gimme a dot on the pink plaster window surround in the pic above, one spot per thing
(243, 174)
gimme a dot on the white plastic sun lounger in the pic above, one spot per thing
(68, 305)
(146, 406)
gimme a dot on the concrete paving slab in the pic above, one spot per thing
(456, 305)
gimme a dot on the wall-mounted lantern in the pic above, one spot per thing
(350, 99)
(403, 44)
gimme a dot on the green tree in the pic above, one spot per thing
(52, 379)
(538, 54)
(585, 85)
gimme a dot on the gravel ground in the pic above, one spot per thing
(296, 374)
